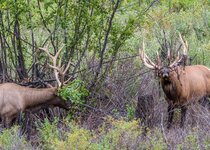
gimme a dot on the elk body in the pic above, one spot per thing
(181, 84)
(15, 99)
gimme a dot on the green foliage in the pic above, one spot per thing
(77, 138)
(130, 112)
(191, 141)
(113, 134)
(177, 5)
(120, 135)
(10, 139)
(156, 140)
(76, 92)
(190, 18)
(207, 143)
(49, 134)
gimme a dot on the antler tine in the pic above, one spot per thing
(59, 51)
(179, 60)
(185, 44)
(46, 50)
(147, 62)
(67, 67)
(56, 68)
(141, 51)
(158, 59)
(57, 78)
(67, 80)
(169, 54)
(176, 60)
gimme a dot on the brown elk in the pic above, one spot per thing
(15, 99)
(181, 84)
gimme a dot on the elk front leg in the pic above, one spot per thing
(170, 115)
(183, 115)
(7, 122)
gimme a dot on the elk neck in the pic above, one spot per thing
(34, 97)
(172, 86)
(45, 97)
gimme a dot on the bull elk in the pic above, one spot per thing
(181, 84)
(15, 99)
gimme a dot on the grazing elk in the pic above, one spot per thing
(181, 84)
(15, 99)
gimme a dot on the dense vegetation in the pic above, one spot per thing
(102, 38)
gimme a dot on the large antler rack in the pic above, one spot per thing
(59, 70)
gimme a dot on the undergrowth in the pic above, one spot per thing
(114, 134)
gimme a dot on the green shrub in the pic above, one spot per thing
(154, 140)
(121, 135)
(75, 91)
(78, 138)
(192, 141)
(10, 139)
(130, 112)
(54, 138)
(49, 134)
(207, 142)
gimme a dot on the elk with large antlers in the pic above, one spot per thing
(15, 99)
(181, 84)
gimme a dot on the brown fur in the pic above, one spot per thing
(186, 85)
(193, 84)
(15, 99)
(181, 84)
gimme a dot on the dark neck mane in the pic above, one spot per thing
(171, 87)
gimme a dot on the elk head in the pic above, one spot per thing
(163, 72)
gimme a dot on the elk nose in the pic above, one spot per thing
(165, 75)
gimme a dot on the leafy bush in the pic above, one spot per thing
(130, 112)
(77, 138)
(10, 139)
(114, 134)
(75, 92)
(118, 134)
(49, 134)
(54, 138)
(156, 140)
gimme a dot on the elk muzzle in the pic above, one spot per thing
(164, 73)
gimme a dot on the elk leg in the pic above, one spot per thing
(28, 124)
(8, 122)
(3, 122)
(19, 118)
(183, 115)
(170, 115)
(208, 102)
